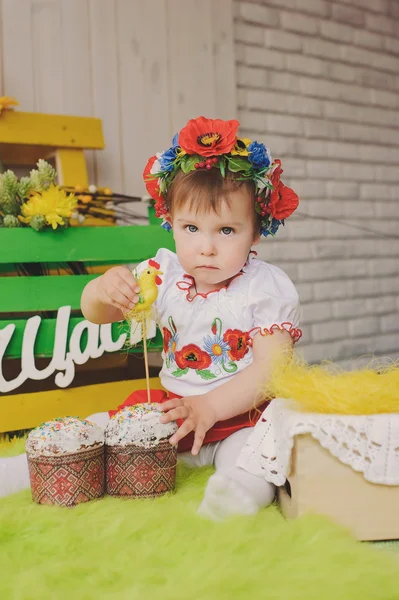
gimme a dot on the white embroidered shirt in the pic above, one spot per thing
(208, 337)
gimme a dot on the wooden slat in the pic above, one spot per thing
(106, 244)
(93, 268)
(225, 87)
(71, 167)
(46, 51)
(24, 411)
(2, 92)
(44, 344)
(45, 340)
(106, 91)
(77, 67)
(190, 51)
(144, 98)
(50, 130)
(76, 57)
(17, 56)
(35, 294)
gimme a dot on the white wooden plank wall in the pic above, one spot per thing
(144, 68)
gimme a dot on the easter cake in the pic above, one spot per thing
(139, 460)
(66, 461)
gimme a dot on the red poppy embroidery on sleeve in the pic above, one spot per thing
(239, 342)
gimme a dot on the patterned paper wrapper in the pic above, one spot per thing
(68, 479)
(137, 472)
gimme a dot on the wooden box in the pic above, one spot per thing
(320, 483)
(60, 336)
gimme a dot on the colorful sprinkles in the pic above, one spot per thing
(138, 425)
(63, 435)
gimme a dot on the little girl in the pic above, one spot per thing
(223, 313)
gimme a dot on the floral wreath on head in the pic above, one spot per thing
(213, 143)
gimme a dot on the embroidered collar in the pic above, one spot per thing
(188, 283)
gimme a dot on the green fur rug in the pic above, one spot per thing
(161, 550)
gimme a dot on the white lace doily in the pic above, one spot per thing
(368, 444)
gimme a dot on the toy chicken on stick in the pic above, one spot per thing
(142, 311)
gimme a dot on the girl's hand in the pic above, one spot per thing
(118, 288)
(198, 414)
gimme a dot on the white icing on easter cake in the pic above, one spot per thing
(65, 435)
(138, 425)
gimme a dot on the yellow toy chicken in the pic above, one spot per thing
(148, 282)
(142, 311)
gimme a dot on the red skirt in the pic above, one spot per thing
(220, 431)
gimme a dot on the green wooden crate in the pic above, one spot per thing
(25, 296)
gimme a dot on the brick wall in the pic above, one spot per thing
(318, 83)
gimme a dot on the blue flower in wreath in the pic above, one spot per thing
(166, 225)
(168, 158)
(175, 141)
(217, 349)
(258, 155)
(272, 229)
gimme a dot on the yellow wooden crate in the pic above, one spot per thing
(26, 137)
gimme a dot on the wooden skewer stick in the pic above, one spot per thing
(147, 374)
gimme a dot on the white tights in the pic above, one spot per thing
(230, 490)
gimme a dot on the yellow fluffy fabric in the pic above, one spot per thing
(326, 388)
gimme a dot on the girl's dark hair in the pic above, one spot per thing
(205, 190)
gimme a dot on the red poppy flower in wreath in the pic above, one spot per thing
(239, 342)
(208, 137)
(151, 183)
(283, 200)
(277, 173)
(193, 357)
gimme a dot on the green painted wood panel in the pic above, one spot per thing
(100, 244)
(35, 294)
(91, 245)
(45, 339)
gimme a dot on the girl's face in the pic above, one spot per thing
(213, 247)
